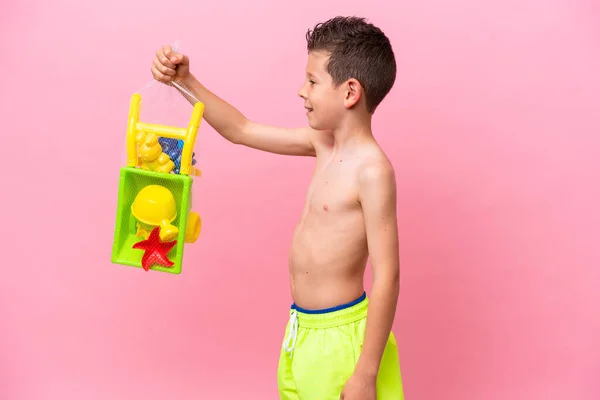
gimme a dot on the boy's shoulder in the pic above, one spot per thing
(376, 177)
(376, 165)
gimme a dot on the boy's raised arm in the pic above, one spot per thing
(229, 122)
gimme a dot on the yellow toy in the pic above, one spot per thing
(154, 217)
(151, 153)
(155, 206)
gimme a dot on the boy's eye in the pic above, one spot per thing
(312, 82)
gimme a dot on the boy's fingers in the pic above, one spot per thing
(159, 76)
(164, 69)
(171, 55)
(164, 60)
(183, 60)
(177, 58)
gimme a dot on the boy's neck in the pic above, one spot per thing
(352, 131)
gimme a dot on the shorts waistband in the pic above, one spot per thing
(333, 316)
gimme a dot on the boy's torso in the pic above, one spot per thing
(329, 249)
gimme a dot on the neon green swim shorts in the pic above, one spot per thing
(320, 351)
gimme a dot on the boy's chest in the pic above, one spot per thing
(333, 188)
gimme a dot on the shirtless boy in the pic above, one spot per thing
(331, 350)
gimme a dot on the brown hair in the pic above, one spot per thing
(357, 49)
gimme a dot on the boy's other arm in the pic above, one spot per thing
(377, 195)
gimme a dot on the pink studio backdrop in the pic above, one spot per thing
(492, 126)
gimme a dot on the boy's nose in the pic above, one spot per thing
(302, 91)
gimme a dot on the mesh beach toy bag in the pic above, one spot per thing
(154, 218)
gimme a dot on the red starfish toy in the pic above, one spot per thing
(155, 251)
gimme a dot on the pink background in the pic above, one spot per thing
(493, 128)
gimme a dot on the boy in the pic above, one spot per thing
(331, 350)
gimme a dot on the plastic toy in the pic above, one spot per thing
(151, 154)
(155, 250)
(154, 206)
(154, 218)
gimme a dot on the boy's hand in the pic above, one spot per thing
(360, 387)
(169, 65)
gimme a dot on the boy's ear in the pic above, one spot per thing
(354, 92)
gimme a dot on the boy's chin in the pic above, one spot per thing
(314, 125)
(319, 126)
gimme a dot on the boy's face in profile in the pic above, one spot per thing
(324, 103)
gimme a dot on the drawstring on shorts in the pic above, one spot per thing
(291, 339)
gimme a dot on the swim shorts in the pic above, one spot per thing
(320, 351)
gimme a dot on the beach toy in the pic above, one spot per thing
(154, 218)
(155, 206)
(151, 155)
